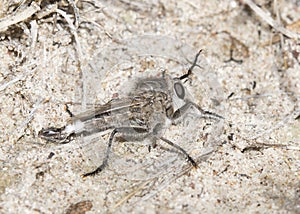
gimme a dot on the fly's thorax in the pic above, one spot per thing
(149, 108)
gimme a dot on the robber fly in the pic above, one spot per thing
(144, 113)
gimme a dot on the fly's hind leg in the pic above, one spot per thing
(105, 161)
(129, 132)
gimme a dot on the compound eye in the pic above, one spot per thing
(179, 89)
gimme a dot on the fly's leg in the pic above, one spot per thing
(181, 111)
(105, 161)
(188, 157)
(156, 134)
(205, 114)
(68, 111)
(125, 131)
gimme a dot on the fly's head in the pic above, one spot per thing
(172, 87)
(179, 93)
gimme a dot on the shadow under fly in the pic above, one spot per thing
(147, 110)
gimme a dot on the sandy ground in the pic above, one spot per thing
(249, 73)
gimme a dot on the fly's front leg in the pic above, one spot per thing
(124, 131)
(185, 108)
(181, 111)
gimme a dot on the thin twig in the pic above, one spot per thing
(76, 12)
(22, 15)
(283, 122)
(79, 52)
(18, 78)
(277, 26)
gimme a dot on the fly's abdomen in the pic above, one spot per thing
(57, 135)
